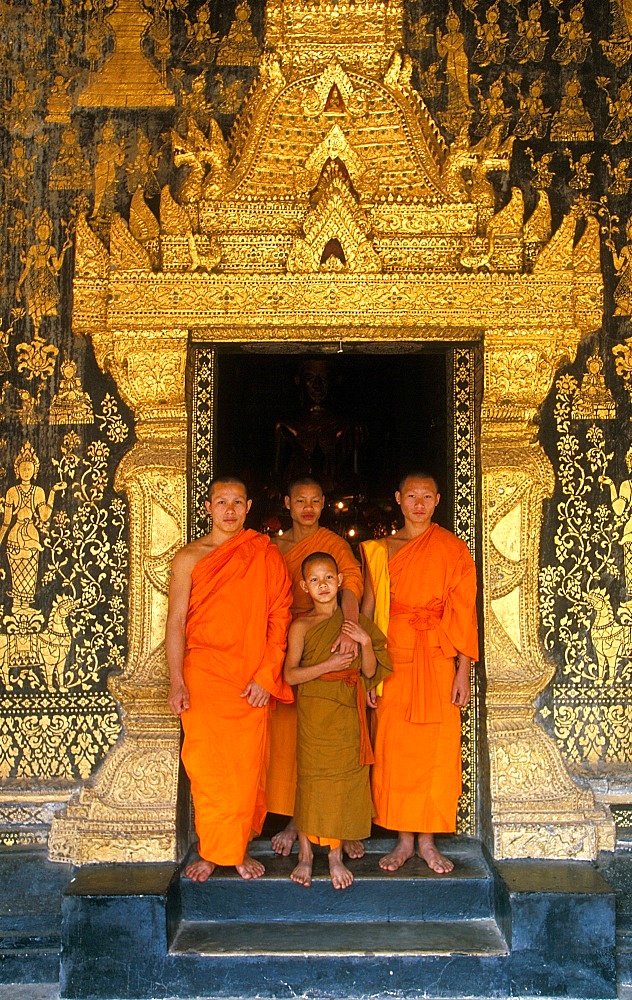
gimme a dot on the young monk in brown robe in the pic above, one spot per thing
(333, 798)
(305, 502)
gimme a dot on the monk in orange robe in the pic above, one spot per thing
(420, 589)
(305, 502)
(229, 612)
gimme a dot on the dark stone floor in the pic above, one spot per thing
(30, 908)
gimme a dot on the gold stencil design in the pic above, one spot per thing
(127, 79)
(581, 614)
(593, 399)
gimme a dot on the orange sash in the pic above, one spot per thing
(425, 702)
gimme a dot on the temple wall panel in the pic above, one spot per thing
(455, 176)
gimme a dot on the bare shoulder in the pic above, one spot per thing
(283, 542)
(186, 557)
(300, 626)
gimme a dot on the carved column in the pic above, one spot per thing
(128, 811)
(537, 809)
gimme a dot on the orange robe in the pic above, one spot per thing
(431, 607)
(281, 782)
(236, 631)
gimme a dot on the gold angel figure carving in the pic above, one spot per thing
(622, 262)
(534, 116)
(42, 264)
(27, 509)
(574, 39)
(492, 42)
(532, 40)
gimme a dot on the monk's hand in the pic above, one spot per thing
(461, 684)
(345, 643)
(178, 697)
(255, 695)
(371, 698)
(338, 661)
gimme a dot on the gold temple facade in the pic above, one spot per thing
(341, 210)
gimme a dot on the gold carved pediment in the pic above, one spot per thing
(335, 232)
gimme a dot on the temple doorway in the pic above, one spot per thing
(356, 417)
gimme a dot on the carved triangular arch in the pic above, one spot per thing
(336, 219)
(334, 146)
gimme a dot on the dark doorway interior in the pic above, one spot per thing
(355, 420)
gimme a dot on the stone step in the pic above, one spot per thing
(333, 939)
(413, 893)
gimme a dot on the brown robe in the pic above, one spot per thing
(333, 798)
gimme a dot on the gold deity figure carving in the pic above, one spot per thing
(38, 281)
(202, 41)
(19, 117)
(110, 156)
(492, 43)
(621, 501)
(572, 123)
(450, 46)
(582, 176)
(622, 262)
(59, 101)
(534, 116)
(70, 405)
(594, 400)
(574, 39)
(195, 105)
(619, 128)
(141, 172)
(494, 111)
(239, 47)
(71, 169)
(419, 36)
(542, 173)
(160, 34)
(618, 179)
(19, 175)
(229, 95)
(532, 40)
(27, 510)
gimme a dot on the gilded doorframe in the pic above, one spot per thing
(462, 418)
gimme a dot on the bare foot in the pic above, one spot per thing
(303, 872)
(341, 877)
(353, 848)
(200, 870)
(283, 841)
(436, 861)
(404, 850)
(250, 867)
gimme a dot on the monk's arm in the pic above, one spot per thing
(175, 634)
(364, 640)
(461, 684)
(268, 674)
(350, 611)
(294, 673)
(368, 598)
(350, 595)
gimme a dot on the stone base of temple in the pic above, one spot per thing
(543, 928)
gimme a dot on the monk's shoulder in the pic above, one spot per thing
(187, 557)
(451, 543)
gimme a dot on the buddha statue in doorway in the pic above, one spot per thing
(320, 442)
